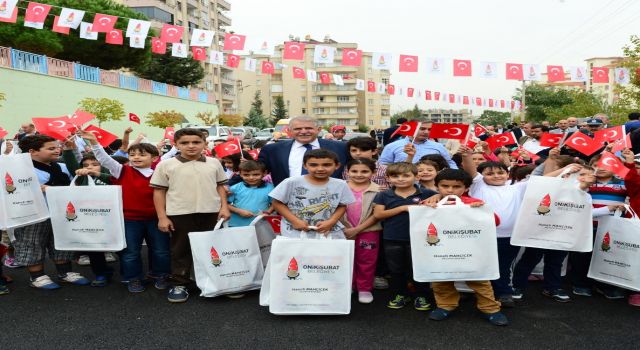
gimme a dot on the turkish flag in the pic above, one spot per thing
(298, 73)
(472, 142)
(436, 96)
(408, 63)
(449, 131)
(56, 28)
(621, 144)
(502, 104)
(461, 68)
(171, 34)
(293, 50)
(427, 95)
(600, 75)
(168, 133)
(80, 117)
(465, 100)
(199, 53)
(103, 23)
(13, 18)
(3, 133)
(325, 78)
(610, 162)
(274, 221)
(583, 143)
(532, 155)
(452, 98)
(158, 46)
(500, 140)
(551, 140)
(555, 73)
(491, 102)
(514, 71)
(351, 57)
(267, 67)
(254, 153)
(234, 41)
(104, 137)
(610, 134)
(134, 118)
(36, 12)
(233, 61)
(410, 91)
(409, 128)
(228, 148)
(478, 101)
(371, 86)
(114, 37)
(391, 89)
(57, 127)
(479, 130)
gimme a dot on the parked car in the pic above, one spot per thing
(264, 135)
(351, 135)
(215, 131)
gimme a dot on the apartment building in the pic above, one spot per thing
(448, 115)
(607, 91)
(202, 14)
(328, 103)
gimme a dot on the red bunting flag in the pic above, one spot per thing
(610, 162)
(583, 143)
(298, 73)
(600, 75)
(371, 86)
(57, 29)
(461, 68)
(551, 140)
(234, 41)
(293, 50)
(479, 130)
(103, 23)
(409, 128)
(80, 117)
(351, 57)
(449, 131)
(408, 63)
(391, 89)
(465, 100)
(427, 95)
(168, 133)
(452, 98)
(233, 61)
(134, 118)
(274, 221)
(171, 33)
(555, 73)
(610, 134)
(199, 53)
(267, 67)
(228, 148)
(254, 153)
(13, 18)
(104, 137)
(114, 37)
(500, 140)
(514, 71)
(325, 78)
(158, 46)
(410, 91)
(36, 12)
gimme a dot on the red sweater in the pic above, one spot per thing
(632, 183)
(137, 195)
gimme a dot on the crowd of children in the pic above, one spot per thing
(189, 189)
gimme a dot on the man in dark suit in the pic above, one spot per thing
(284, 158)
(386, 136)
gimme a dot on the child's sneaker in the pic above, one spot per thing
(135, 286)
(178, 294)
(517, 294)
(497, 318)
(74, 278)
(365, 297)
(634, 299)
(84, 260)
(421, 304)
(161, 283)
(100, 281)
(398, 302)
(43, 282)
(611, 293)
(558, 295)
(583, 292)
(4, 290)
(11, 262)
(110, 257)
(439, 314)
(380, 283)
(507, 301)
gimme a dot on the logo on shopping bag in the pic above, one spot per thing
(545, 205)
(215, 258)
(606, 242)
(71, 212)
(8, 183)
(292, 269)
(432, 235)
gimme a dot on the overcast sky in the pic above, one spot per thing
(562, 32)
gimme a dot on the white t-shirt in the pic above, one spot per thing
(505, 201)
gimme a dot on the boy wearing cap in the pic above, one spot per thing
(338, 132)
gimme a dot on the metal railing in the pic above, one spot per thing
(41, 64)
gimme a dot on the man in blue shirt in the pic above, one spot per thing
(394, 152)
(633, 123)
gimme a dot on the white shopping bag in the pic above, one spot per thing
(308, 277)
(453, 242)
(616, 252)
(22, 202)
(265, 235)
(555, 214)
(87, 218)
(226, 260)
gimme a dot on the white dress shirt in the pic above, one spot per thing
(297, 153)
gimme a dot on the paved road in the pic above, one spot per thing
(101, 318)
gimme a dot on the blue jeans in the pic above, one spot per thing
(158, 243)
(506, 254)
(552, 271)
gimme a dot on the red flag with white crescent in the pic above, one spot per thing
(610, 162)
(409, 128)
(104, 137)
(449, 131)
(583, 143)
(228, 148)
(500, 140)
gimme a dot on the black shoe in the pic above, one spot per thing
(558, 295)
(497, 319)
(507, 301)
(517, 294)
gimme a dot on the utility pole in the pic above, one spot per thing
(524, 93)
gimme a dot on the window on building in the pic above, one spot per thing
(303, 99)
(385, 81)
(318, 111)
(343, 98)
(321, 98)
(316, 99)
(370, 112)
(304, 111)
(370, 101)
(303, 87)
(258, 82)
(370, 122)
(155, 13)
(344, 110)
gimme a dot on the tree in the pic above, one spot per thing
(231, 119)
(207, 118)
(255, 117)
(104, 109)
(279, 109)
(71, 47)
(164, 119)
(489, 117)
(172, 70)
(629, 100)
(363, 128)
(409, 114)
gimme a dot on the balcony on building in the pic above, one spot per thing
(224, 5)
(155, 14)
(223, 20)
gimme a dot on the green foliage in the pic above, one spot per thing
(207, 117)
(172, 70)
(231, 119)
(104, 109)
(629, 100)
(71, 47)
(363, 128)
(489, 117)
(255, 117)
(164, 119)
(279, 109)
(409, 114)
